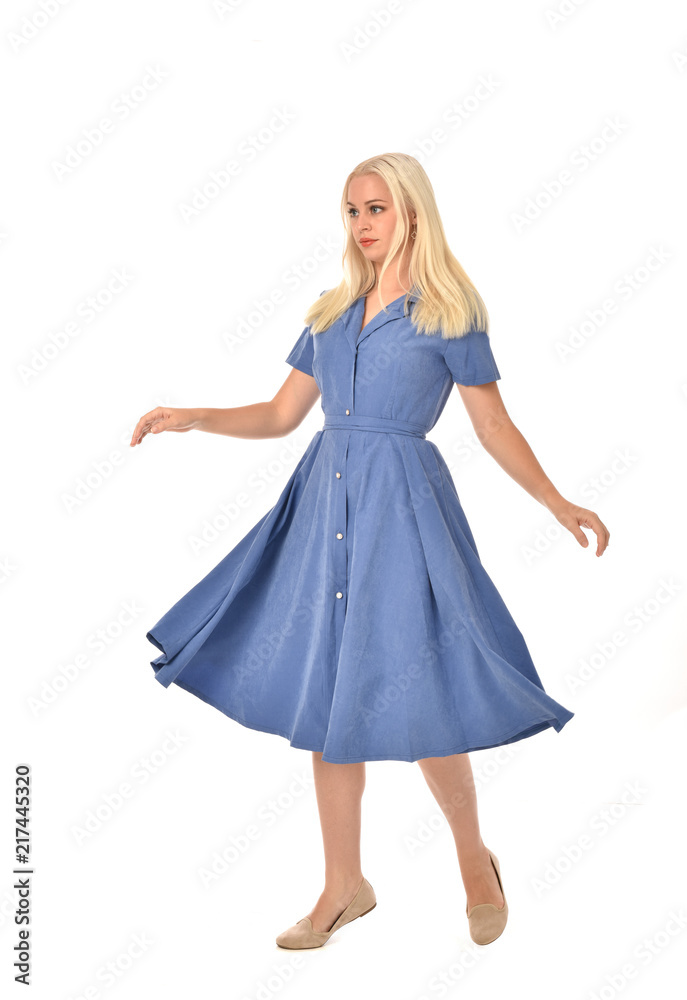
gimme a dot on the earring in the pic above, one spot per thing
(413, 234)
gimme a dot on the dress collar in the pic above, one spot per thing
(354, 317)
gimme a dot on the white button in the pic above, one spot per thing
(347, 412)
(339, 594)
(338, 475)
(339, 535)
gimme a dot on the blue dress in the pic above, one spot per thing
(355, 618)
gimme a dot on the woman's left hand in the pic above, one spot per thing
(574, 518)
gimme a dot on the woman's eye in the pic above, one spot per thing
(352, 211)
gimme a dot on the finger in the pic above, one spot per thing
(582, 538)
(579, 534)
(143, 430)
(159, 421)
(600, 542)
(600, 530)
(607, 538)
(143, 425)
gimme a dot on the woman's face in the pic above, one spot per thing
(372, 215)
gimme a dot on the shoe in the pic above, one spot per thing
(302, 935)
(487, 921)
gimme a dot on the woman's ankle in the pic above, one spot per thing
(341, 885)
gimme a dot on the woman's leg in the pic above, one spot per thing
(339, 790)
(451, 782)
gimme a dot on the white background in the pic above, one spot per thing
(610, 410)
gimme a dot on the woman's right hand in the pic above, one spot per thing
(165, 418)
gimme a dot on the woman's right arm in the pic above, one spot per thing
(274, 418)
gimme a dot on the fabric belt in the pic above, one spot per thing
(341, 421)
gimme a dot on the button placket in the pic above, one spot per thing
(355, 364)
(340, 554)
(340, 561)
(342, 516)
(338, 579)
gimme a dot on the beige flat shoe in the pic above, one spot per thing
(302, 935)
(487, 921)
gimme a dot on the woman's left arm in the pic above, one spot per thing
(503, 441)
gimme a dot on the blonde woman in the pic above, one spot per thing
(355, 619)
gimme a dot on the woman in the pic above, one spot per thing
(355, 618)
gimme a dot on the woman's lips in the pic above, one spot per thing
(366, 243)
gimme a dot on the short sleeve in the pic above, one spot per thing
(301, 354)
(470, 359)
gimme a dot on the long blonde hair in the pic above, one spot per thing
(448, 302)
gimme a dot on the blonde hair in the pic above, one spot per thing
(448, 302)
